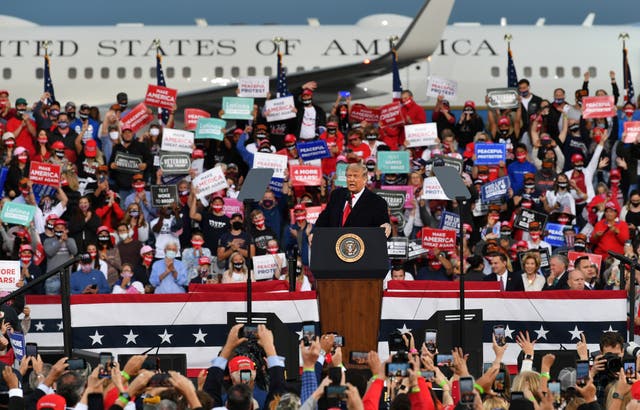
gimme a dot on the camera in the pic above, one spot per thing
(614, 362)
(249, 331)
(396, 342)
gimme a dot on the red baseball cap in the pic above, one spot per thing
(197, 153)
(90, 148)
(241, 363)
(504, 121)
(470, 103)
(577, 158)
(25, 247)
(57, 145)
(60, 222)
(103, 228)
(299, 207)
(51, 401)
(290, 139)
(204, 260)
(306, 91)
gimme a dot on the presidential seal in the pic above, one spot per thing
(350, 247)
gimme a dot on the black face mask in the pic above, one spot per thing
(104, 239)
(237, 226)
(574, 128)
(635, 203)
(58, 234)
(71, 115)
(60, 154)
(83, 117)
(237, 266)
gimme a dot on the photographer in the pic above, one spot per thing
(607, 364)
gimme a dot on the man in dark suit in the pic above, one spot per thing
(529, 101)
(355, 206)
(499, 272)
(558, 274)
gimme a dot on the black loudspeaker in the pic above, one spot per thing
(564, 358)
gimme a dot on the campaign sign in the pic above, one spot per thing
(595, 259)
(175, 164)
(232, 206)
(137, 118)
(431, 189)
(9, 270)
(163, 195)
(526, 216)
(44, 174)
(502, 98)
(191, 116)
(631, 132)
(276, 185)
(554, 235)
(17, 343)
(237, 108)
(4, 171)
(209, 182)
(437, 86)
(598, 107)
(177, 140)
(276, 162)
(393, 162)
(421, 135)
(408, 191)
(395, 200)
(495, 191)
(360, 112)
(159, 96)
(442, 239)
(391, 115)
(305, 175)
(266, 266)
(450, 221)
(490, 154)
(210, 128)
(308, 151)
(313, 212)
(341, 174)
(279, 109)
(452, 162)
(20, 214)
(254, 87)
(128, 162)
(397, 247)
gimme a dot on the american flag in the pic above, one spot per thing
(163, 113)
(397, 85)
(628, 84)
(512, 80)
(282, 90)
(48, 84)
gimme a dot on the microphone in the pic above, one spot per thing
(624, 259)
(633, 349)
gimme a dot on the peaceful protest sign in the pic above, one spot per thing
(305, 175)
(266, 266)
(525, 216)
(431, 189)
(276, 162)
(175, 163)
(631, 132)
(137, 118)
(502, 98)
(237, 108)
(598, 107)
(393, 162)
(360, 112)
(210, 128)
(128, 162)
(490, 154)
(254, 87)
(279, 109)
(308, 151)
(191, 116)
(437, 86)
(450, 221)
(44, 174)
(19, 214)
(209, 182)
(442, 239)
(408, 191)
(421, 135)
(555, 235)
(495, 191)
(177, 140)
(391, 115)
(163, 195)
(159, 96)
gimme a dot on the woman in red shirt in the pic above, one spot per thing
(610, 233)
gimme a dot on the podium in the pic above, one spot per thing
(349, 265)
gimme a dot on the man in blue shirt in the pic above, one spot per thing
(169, 275)
(88, 280)
(518, 168)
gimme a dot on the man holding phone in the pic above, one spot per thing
(88, 280)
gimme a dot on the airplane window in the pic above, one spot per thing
(39, 73)
(219, 71)
(251, 71)
(88, 72)
(235, 71)
(544, 72)
(267, 71)
(593, 72)
(316, 67)
(575, 72)
(186, 72)
(137, 72)
(73, 72)
(104, 72)
(495, 71)
(299, 69)
(527, 71)
(6, 73)
(559, 72)
(152, 72)
(171, 72)
(121, 72)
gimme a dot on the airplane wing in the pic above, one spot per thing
(419, 40)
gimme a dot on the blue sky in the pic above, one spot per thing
(73, 12)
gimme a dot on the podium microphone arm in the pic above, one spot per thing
(631, 262)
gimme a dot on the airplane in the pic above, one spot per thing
(91, 64)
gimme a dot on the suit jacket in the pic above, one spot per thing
(561, 285)
(370, 210)
(514, 281)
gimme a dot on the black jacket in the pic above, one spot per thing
(370, 210)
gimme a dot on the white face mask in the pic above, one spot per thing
(114, 135)
(123, 236)
(154, 132)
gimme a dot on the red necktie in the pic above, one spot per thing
(502, 287)
(347, 210)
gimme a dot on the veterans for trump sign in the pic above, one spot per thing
(44, 174)
(443, 239)
(502, 98)
(175, 163)
(162, 97)
(598, 107)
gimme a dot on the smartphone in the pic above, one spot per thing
(151, 363)
(245, 376)
(517, 395)
(629, 367)
(106, 360)
(335, 374)
(498, 333)
(160, 380)
(444, 360)
(582, 372)
(308, 334)
(345, 94)
(430, 337)
(428, 375)
(76, 364)
(335, 392)
(338, 341)
(94, 286)
(31, 349)
(486, 367)
(358, 357)
(498, 383)
(554, 389)
(397, 369)
(466, 390)
(250, 331)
